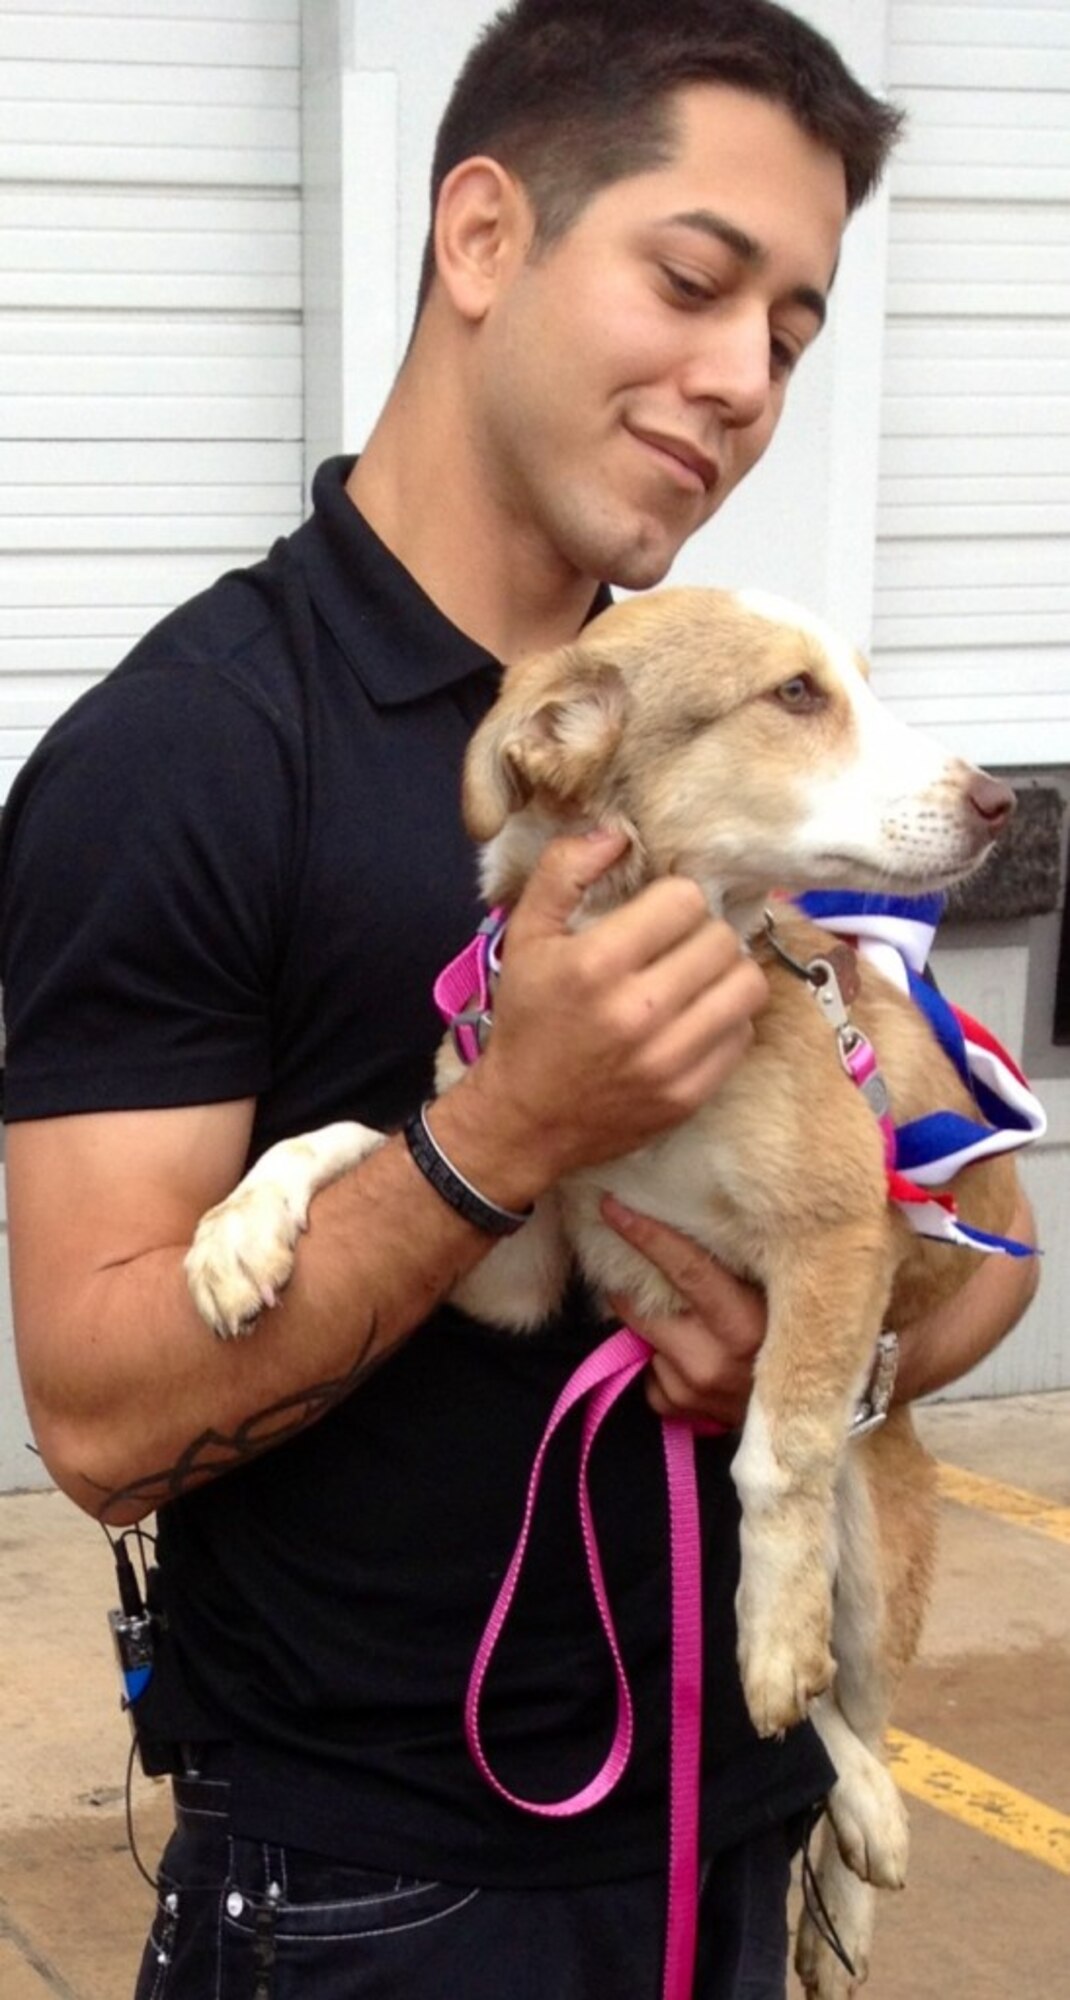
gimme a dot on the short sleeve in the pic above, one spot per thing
(148, 848)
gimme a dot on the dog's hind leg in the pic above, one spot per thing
(243, 1249)
(847, 1908)
(863, 1839)
(886, 1530)
(886, 1523)
(864, 1805)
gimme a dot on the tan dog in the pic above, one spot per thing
(736, 741)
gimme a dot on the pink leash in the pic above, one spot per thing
(463, 994)
(602, 1377)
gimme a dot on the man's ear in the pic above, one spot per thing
(484, 227)
(552, 731)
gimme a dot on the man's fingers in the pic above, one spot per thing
(733, 1311)
(692, 1373)
(636, 936)
(702, 979)
(565, 870)
(671, 1394)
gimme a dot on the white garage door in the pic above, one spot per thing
(973, 570)
(150, 322)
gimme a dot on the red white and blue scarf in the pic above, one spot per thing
(895, 934)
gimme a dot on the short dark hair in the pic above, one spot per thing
(571, 95)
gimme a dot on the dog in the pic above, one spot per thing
(735, 740)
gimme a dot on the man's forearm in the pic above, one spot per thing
(154, 1405)
(949, 1342)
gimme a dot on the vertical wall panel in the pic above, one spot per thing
(972, 614)
(150, 347)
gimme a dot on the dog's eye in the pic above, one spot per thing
(801, 694)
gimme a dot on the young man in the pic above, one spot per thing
(231, 875)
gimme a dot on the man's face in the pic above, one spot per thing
(635, 370)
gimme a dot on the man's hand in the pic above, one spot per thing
(603, 1037)
(704, 1362)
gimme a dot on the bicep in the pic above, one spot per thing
(91, 1192)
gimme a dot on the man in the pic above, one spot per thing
(230, 876)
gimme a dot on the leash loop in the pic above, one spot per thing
(600, 1380)
(602, 1377)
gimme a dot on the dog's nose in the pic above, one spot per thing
(992, 800)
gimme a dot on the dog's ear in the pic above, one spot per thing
(553, 730)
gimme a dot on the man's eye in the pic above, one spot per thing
(782, 359)
(690, 291)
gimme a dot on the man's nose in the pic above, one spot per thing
(730, 367)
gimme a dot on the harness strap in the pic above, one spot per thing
(462, 991)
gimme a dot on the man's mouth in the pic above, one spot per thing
(691, 465)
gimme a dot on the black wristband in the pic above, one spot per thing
(452, 1186)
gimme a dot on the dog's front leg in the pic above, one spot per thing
(243, 1250)
(826, 1302)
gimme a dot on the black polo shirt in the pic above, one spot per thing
(234, 869)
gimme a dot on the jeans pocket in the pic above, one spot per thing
(322, 1929)
(396, 1904)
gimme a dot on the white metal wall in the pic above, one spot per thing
(972, 619)
(150, 322)
(972, 603)
(150, 346)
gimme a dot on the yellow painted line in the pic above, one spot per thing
(966, 1794)
(1008, 1503)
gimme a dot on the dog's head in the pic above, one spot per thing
(736, 740)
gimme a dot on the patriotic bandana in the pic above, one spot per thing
(895, 933)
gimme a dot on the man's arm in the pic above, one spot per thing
(601, 1039)
(132, 1400)
(705, 1358)
(947, 1343)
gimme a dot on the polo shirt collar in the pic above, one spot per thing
(397, 641)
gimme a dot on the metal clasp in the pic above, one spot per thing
(829, 995)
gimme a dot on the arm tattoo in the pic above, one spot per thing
(214, 1452)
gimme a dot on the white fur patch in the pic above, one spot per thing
(894, 805)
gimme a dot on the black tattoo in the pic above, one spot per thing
(213, 1452)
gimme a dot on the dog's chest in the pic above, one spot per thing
(774, 1155)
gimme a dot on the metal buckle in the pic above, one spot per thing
(477, 1021)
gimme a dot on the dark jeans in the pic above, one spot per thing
(237, 1920)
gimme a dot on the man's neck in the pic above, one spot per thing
(418, 485)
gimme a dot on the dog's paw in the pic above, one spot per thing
(822, 1975)
(870, 1823)
(781, 1685)
(849, 1906)
(242, 1255)
(243, 1250)
(781, 1678)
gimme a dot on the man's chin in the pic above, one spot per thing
(639, 566)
